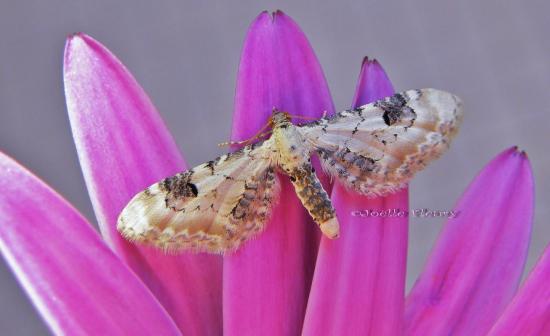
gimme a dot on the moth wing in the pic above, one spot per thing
(213, 207)
(376, 148)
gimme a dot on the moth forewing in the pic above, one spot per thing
(213, 207)
(376, 148)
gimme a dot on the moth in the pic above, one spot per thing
(373, 150)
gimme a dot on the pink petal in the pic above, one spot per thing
(359, 281)
(266, 282)
(475, 267)
(528, 313)
(77, 284)
(373, 83)
(123, 147)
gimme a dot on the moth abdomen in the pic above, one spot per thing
(315, 199)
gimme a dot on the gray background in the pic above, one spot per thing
(494, 54)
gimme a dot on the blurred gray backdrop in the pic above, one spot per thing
(493, 54)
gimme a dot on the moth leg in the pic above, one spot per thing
(315, 199)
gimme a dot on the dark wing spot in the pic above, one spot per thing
(179, 186)
(387, 119)
(210, 165)
(193, 189)
(393, 108)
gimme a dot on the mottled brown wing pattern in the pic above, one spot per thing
(376, 148)
(213, 207)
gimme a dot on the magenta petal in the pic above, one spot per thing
(359, 281)
(475, 267)
(528, 313)
(77, 284)
(123, 147)
(278, 69)
(373, 83)
(266, 282)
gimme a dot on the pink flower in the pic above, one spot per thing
(284, 282)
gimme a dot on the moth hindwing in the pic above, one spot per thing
(373, 150)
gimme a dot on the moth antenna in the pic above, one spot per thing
(258, 135)
(306, 117)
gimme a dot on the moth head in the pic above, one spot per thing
(279, 117)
